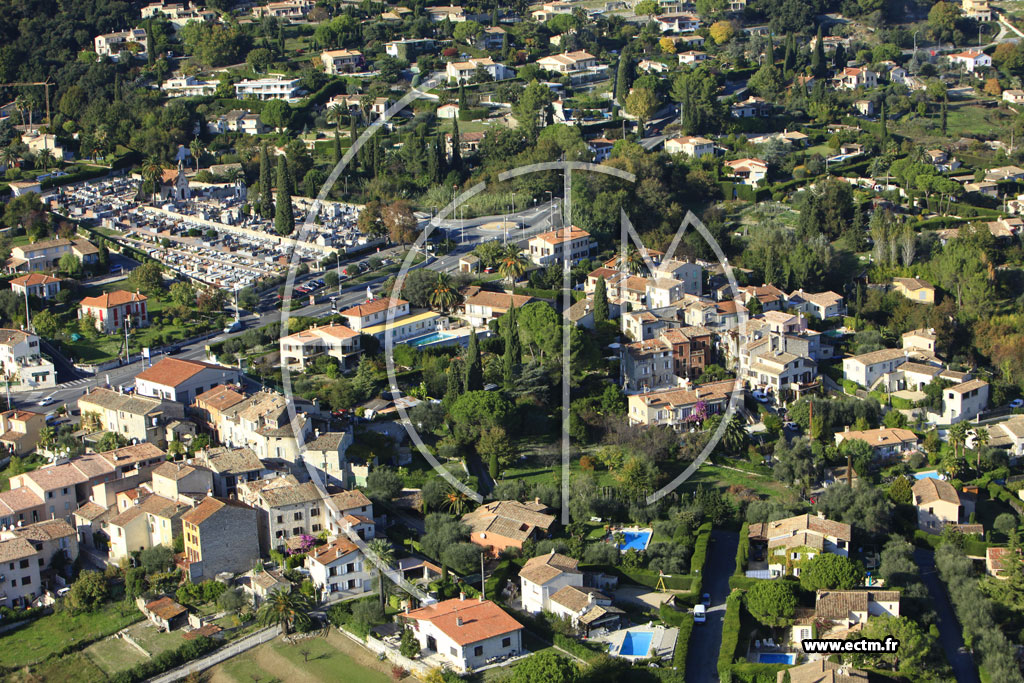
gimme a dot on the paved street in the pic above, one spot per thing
(706, 641)
(950, 635)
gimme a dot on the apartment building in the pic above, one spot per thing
(336, 341)
(339, 570)
(150, 521)
(557, 246)
(19, 430)
(221, 535)
(680, 408)
(137, 418)
(46, 255)
(22, 361)
(287, 510)
(276, 88)
(341, 61)
(133, 42)
(237, 121)
(188, 86)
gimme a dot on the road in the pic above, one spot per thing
(706, 640)
(950, 633)
(466, 233)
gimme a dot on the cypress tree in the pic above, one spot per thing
(600, 302)
(881, 117)
(839, 58)
(453, 375)
(622, 78)
(353, 131)
(456, 160)
(504, 44)
(770, 53)
(266, 203)
(492, 468)
(284, 221)
(280, 40)
(337, 147)
(787, 57)
(474, 368)
(151, 50)
(463, 101)
(818, 56)
(945, 99)
(513, 349)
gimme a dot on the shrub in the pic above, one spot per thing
(743, 550)
(730, 635)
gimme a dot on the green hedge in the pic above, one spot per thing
(900, 403)
(742, 582)
(700, 549)
(471, 114)
(165, 661)
(749, 672)
(77, 176)
(682, 645)
(730, 636)
(585, 650)
(850, 387)
(743, 550)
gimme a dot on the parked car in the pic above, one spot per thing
(760, 396)
(700, 614)
(706, 600)
(1017, 403)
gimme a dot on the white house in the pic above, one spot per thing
(468, 633)
(793, 540)
(113, 44)
(339, 570)
(749, 171)
(276, 88)
(867, 368)
(970, 60)
(964, 401)
(692, 57)
(188, 86)
(22, 362)
(462, 72)
(237, 121)
(690, 145)
(182, 380)
(543, 576)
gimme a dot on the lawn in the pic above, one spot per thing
(74, 667)
(50, 634)
(112, 655)
(962, 118)
(108, 347)
(323, 661)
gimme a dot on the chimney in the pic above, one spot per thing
(462, 596)
(458, 621)
(406, 608)
(209, 493)
(536, 500)
(821, 515)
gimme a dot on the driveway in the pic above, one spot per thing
(950, 634)
(706, 640)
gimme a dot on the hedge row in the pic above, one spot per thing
(700, 549)
(742, 582)
(77, 176)
(743, 550)
(165, 661)
(682, 644)
(730, 636)
(749, 672)
(972, 546)
(1001, 493)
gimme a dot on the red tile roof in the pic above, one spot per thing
(110, 299)
(467, 621)
(173, 371)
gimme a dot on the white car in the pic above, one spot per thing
(1017, 403)
(700, 614)
(47, 400)
(760, 396)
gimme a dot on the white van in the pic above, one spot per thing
(700, 614)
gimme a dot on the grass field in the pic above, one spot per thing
(331, 659)
(75, 667)
(962, 118)
(48, 635)
(113, 655)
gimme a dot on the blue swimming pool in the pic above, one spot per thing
(931, 474)
(776, 658)
(636, 644)
(426, 340)
(637, 540)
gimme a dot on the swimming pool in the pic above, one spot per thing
(427, 340)
(637, 540)
(931, 474)
(636, 644)
(776, 658)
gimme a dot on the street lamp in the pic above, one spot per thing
(551, 208)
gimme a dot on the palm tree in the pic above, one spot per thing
(386, 555)
(735, 435)
(456, 502)
(287, 609)
(151, 171)
(981, 438)
(196, 148)
(45, 159)
(634, 260)
(443, 295)
(336, 114)
(47, 438)
(8, 157)
(20, 105)
(511, 264)
(957, 437)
